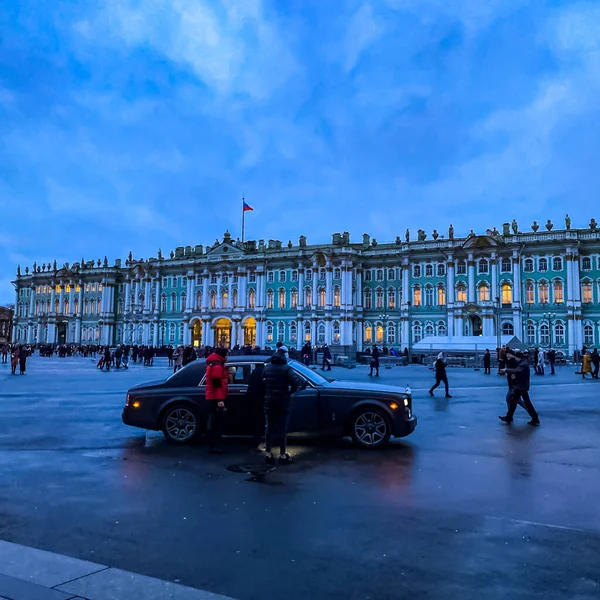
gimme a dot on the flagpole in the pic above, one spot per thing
(243, 218)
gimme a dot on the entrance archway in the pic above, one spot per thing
(250, 332)
(61, 333)
(223, 333)
(476, 325)
(197, 334)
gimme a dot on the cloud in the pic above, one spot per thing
(364, 28)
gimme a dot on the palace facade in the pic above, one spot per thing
(541, 286)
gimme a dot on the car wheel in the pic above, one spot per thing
(180, 424)
(371, 427)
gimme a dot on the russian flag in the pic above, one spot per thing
(246, 206)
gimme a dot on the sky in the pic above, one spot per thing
(140, 124)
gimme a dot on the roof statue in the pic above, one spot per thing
(451, 232)
(407, 235)
(549, 225)
(535, 226)
(421, 235)
(435, 235)
(567, 222)
(593, 225)
(515, 226)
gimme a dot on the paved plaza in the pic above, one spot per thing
(464, 507)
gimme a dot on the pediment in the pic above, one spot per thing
(224, 249)
(480, 242)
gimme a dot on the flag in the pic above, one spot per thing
(245, 206)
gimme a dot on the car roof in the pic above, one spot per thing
(249, 358)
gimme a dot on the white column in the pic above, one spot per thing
(328, 288)
(230, 290)
(328, 332)
(127, 296)
(494, 261)
(205, 333)
(61, 298)
(147, 295)
(315, 295)
(156, 332)
(260, 293)
(157, 294)
(105, 298)
(191, 286)
(406, 285)
(78, 330)
(360, 326)
(80, 313)
(300, 295)
(242, 291)
(32, 302)
(205, 300)
(136, 293)
(359, 296)
(52, 302)
(72, 298)
(313, 332)
(300, 338)
(471, 278)
(516, 279)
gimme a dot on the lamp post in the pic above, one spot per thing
(498, 338)
(550, 317)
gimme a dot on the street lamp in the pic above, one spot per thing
(498, 339)
(550, 317)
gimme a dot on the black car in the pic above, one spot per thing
(370, 413)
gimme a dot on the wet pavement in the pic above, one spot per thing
(465, 506)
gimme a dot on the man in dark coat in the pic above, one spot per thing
(520, 378)
(487, 363)
(374, 362)
(440, 375)
(23, 354)
(107, 358)
(326, 358)
(552, 360)
(280, 384)
(595, 363)
(255, 396)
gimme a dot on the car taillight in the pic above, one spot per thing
(127, 400)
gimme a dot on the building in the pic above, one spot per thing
(542, 286)
(6, 322)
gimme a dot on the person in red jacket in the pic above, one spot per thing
(216, 394)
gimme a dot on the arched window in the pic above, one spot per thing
(86, 307)
(66, 311)
(441, 329)
(417, 332)
(234, 298)
(391, 333)
(531, 333)
(588, 335)
(368, 333)
(251, 298)
(336, 296)
(153, 302)
(294, 298)
(391, 298)
(587, 293)
(484, 292)
(282, 275)
(441, 270)
(293, 332)
(391, 274)
(173, 307)
(307, 331)
(322, 274)
(379, 274)
(270, 296)
(281, 298)
(322, 297)
(37, 307)
(336, 333)
(368, 275)
(99, 305)
(428, 270)
(558, 292)
(379, 296)
(269, 332)
(506, 266)
(281, 331)
(163, 303)
(213, 299)
(307, 297)
(543, 264)
(461, 292)
(429, 330)
(379, 333)
(529, 293)
(417, 271)
(508, 329)
(198, 300)
(172, 333)
(559, 334)
(417, 296)
(544, 334)
(181, 333)
(586, 263)
(337, 273)
(367, 298)
(183, 301)
(461, 267)
(441, 295)
(528, 265)
(557, 263)
(483, 266)
(224, 299)
(119, 307)
(429, 295)
(544, 296)
(321, 333)
(506, 294)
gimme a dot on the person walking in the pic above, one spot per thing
(107, 358)
(595, 357)
(374, 362)
(520, 381)
(326, 358)
(255, 397)
(216, 394)
(536, 359)
(586, 365)
(14, 360)
(501, 353)
(178, 359)
(118, 357)
(4, 354)
(440, 374)
(541, 361)
(306, 353)
(552, 360)
(487, 363)
(280, 384)
(23, 354)
(170, 352)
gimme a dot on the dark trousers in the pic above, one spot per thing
(4, 358)
(552, 369)
(439, 380)
(487, 370)
(527, 404)
(215, 424)
(326, 364)
(374, 365)
(276, 432)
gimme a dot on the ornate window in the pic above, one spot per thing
(391, 274)
(416, 271)
(379, 296)
(557, 263)
(270, 277)
(379, 275)
(368, 333)
(173, 302)
(367, 298)
(441, 295)
(198, 300)
(269, 332)
(294, 298)
(588, 334)
(368, 275)
(119, 307)
(484, 292)
(336, 296)
(507, 295)
(417, 332)
(391, 333)
(543, 264)
(417, 301)
(281, 298)
(270, 297)
(293, 332)
(428, 270)
(528, 265)
(234, 298)
(307, 297)
(99, 305)
(282, 276)
(587, 293)
(307, 335)
(483, 266)
(181, 333)
(336, 333)
(280, 331)
(441, 329)
(461, 267)
(428, 295)
(252, 277)
(391, 298)
(337, 273)
(213, 299)
(506, 265)
(529, 293)
(213, 279)
(172, 333)
(543, 292)
(544, 334)
(294, 275)
(508, 329)
(322, 274)
(429, 330)
(321, 333)
(530, 333)
(251, 298)
(308, 274)
(322, 297)
(183, 301)
(559, 334)
(461, 292)
(441, 270)
(586, 263)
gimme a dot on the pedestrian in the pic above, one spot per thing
(552, 360)
(216, 394)
(22, 360)
(520, 381)
(511, 363)
(4, 354)
(255, 397)
(541, 361)
(118, 357)
(536, 359)
(596, 363)
(306, 353)
(280, 383)
(487, 363)
(326, 358)
(170, 352)
(586, 365)
(501, 352)
(14, 360)
(374, 362)
(178, 359)
(440, 374)
(107, 358)
(280, 347)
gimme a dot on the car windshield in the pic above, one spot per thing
(309, 374)
(189, 376)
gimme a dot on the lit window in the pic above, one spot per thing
(392, 298)
(484, 293)
(336, 332)
(379, 333)
(441, 295)
(461, 293)
(270, 297)
(529, 293)
(558, 292)
(294, 298)
(336, 296)
(506, 293)
(417, 296)
(368, 334)
(544, 293)
(224, 300)
(322, 298)
(281, 298)
(293, 332)
(587, 293)
(269, 332)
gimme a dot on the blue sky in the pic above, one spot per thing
(139, 124)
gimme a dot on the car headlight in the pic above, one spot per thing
(127, 399)
(406, 402)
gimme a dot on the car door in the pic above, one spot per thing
(238, 416)
(304, 417)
